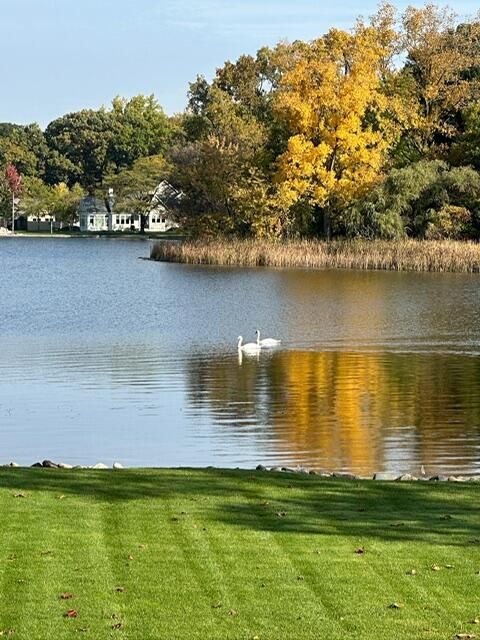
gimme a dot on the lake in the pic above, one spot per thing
(108, 357)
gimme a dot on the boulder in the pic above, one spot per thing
(99, 465)
(260, 467)
(344, 475)
(64, 465)
(385, 476)
(49, 464)
(407, 477)
(117, 465)
(37, 464)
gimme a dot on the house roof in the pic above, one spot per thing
(90, 205)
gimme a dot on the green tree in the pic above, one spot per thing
(23, 146)
(427, 199)
(134, 188)
(80, 142)
(140, 129)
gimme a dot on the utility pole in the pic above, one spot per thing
(13, 212)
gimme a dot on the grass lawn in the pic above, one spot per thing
(210, 554)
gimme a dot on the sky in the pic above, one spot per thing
(58, 56)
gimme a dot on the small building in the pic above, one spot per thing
(41, 221)
(93, 214)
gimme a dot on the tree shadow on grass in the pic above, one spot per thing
(444, 513)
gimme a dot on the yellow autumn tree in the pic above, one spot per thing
(334, 105)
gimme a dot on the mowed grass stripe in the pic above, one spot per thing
(277, 551)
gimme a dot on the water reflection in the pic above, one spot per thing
(353, 411)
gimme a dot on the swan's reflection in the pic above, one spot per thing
(248, 355)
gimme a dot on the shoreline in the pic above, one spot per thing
(91, 236)
(382, 476)
(443, 256)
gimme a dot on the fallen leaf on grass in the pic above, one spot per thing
(71, 613)
(465, 636)
(7, 632)
(12, 557)
(446, 516)
(84, 629)
(129, 557)
(449, 566)
(281, 514)
(360, 550)
(395, 605)
(61, 497)
(232, 613)
(475, 621)
(143, 546)
(66, 595)
(120, 589)
(412, 572)
(46, 553)
(397, 524)
(435, 567)
(216, 605)
(19, 495)
(300, 578)
(118, 625)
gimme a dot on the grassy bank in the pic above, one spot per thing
(208, 554)
(404, 255)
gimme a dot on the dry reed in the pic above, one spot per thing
(403, 255)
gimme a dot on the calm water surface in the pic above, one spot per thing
(105, 357)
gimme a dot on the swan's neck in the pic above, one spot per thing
(240, 342)
(258, 337)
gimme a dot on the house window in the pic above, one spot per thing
(92, 219)
(163, 220)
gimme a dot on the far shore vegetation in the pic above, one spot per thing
(369, 133)
(237, 555)
(403, 255)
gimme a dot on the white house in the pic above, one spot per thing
(93, 214)
(163, 198)
(97, 214)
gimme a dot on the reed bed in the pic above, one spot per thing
(402, 255)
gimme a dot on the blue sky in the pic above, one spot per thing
(58, 56)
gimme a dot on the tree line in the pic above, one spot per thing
(373, 132)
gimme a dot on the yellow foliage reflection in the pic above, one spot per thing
(358, 411)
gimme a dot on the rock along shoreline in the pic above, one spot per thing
(382, 476)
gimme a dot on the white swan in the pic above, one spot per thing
(250, 347)
(267, 342)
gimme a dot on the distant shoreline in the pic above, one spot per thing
(90, 236)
